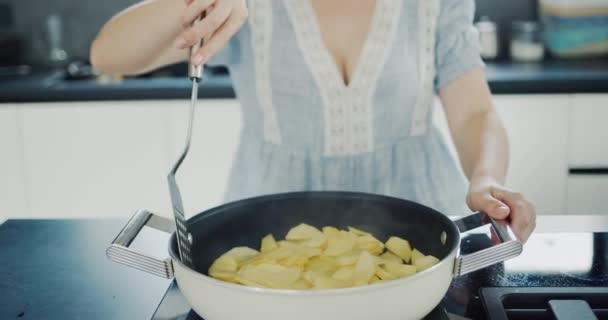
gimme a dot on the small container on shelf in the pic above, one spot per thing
(488, 38)
(527, 43)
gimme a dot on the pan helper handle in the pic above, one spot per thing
(120, 252)
(509, 246)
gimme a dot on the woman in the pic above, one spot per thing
(337, 94)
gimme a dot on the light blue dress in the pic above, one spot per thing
(304, 129)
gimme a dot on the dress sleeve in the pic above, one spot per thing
(457, 47)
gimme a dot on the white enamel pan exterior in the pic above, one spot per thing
(407, 298)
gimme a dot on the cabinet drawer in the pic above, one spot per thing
(588, 142)
(587, 193)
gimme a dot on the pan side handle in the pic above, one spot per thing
(120, 252)
(509, 247)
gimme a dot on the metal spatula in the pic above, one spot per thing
(184, 238)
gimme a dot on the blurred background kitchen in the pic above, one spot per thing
(76, 143)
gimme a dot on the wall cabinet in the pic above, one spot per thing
(12, 175)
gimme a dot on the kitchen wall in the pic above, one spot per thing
(83, 18)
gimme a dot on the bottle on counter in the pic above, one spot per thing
(488, 38)
(527, 41)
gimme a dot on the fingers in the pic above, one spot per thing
(523, 214)
(206, 27)
(219, 38)
(484, 201)
(194, 10)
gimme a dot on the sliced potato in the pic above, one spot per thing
(311, 259)
(301, 284)
(291, 261)
(340, 244)
(389, 257)
(364, 269)
(400, 270)
(242, 253)
(400, 248)
(348, 259)
(344, 274)
(268, 244)
(270, 275)
(329, 232)
(224, 263)
(224, 275)
(425, 262)
(370, 244)
(303, 232)
(383, 274)
(416, 254)
(358, 232)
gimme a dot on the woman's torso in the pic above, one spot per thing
(305, 129)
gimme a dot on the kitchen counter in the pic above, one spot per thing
(504, 78)
(57, 269)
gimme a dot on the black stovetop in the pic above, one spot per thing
(557, 266)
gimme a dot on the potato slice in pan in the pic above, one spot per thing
(268, 244)
(303, 232)
(340, 244)
(383, 274)
(242, 253)
(400, 270)
(364, 269)
(389, 257)
(224, 263)
(301, 284)
(348, 259)
(358, 232)
(329, 232)
(224, 275)
(375, 279)
(270, 275)
(425, 262)
(344, 273)
(416, 255)
(399, 247)
(370, 244)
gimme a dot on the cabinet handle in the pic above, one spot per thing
(589, 171)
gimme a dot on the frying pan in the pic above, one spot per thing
(245, 222)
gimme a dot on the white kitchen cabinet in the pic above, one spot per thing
(12, 185)
(204, 174)
(95, 159)
(537, 127)
(587, 194)
(588, 143)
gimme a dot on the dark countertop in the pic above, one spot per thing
(504, 78)
(57, 269)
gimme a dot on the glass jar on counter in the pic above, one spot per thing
(527, 41)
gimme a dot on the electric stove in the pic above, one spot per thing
(561, 275)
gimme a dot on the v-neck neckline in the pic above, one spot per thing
(327, 59)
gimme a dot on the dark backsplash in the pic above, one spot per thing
(83, 18)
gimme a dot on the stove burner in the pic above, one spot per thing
(530, 303)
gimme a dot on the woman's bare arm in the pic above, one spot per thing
(154, 33)
(482, 144)
(140, 38)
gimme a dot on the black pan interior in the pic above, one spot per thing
(245, 222)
